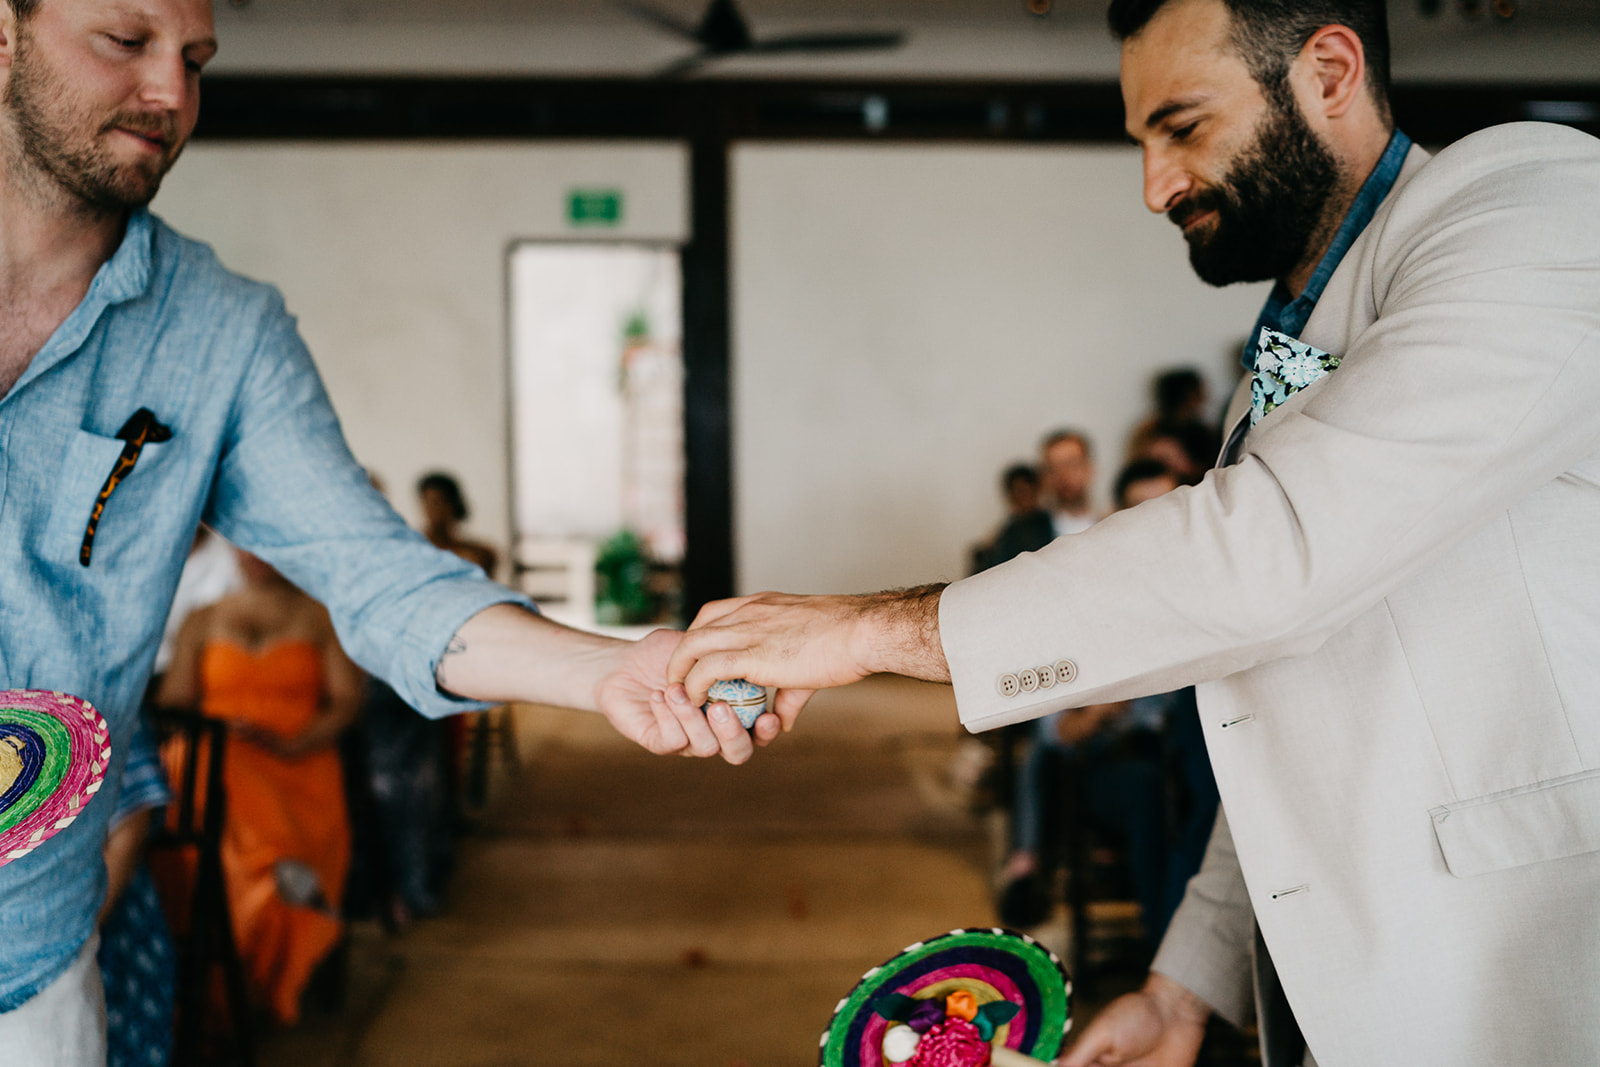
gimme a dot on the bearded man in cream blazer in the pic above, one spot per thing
(1389, 590)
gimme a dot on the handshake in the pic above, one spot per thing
(679, 692)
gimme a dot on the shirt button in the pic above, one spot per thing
(1029, 678)
(1047, 676)
(1008, 685)
(1066, 671)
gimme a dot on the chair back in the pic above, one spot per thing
(194, 750)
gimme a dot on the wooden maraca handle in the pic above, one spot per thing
(1007, 1057)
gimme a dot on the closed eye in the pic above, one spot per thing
(1182, 132)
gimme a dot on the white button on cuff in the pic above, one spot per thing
(1066, 671)
(1047, 677)
(1008, 685)
(1029, 679)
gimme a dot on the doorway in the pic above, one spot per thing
(596, 421)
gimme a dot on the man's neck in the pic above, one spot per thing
(51, 246)
(49, 238)
(1361, 162)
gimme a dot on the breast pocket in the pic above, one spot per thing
(90, 461)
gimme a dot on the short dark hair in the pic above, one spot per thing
(447, 487)
(1268, 34)
(24, 9)
(1068, 435)
(1140, 470)
(1176, 388)
(1019, 472)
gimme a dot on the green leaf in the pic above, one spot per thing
(896, 1007)
(993, 1015)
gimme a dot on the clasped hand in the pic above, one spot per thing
(794, 644)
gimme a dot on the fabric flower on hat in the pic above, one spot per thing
(952, 1043)
(962, 1005)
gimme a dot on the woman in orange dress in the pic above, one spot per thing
(266, 660)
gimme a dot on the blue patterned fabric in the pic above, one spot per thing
(138, 960)
(1284, 366)
(139, 968)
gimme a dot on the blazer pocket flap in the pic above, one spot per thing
(1546, 821)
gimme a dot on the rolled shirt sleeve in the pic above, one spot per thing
(288, 490)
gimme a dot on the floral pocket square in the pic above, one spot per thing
(1284, 366)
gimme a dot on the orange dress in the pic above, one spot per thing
(277, 809)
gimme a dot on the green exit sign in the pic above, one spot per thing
(594, 207)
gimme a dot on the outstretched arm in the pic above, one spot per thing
(504, 654)
(799, 644)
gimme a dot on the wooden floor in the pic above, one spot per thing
(616, 908)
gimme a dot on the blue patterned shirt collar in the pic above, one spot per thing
(1289, 315)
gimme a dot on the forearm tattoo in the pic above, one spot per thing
(454, 648)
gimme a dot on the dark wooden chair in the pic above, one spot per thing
(195, 746)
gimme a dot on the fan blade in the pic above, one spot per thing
(828, 42)
(683, 67)
(657, 17)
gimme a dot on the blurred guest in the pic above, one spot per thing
(1066, 466)
(1122, 751)
(265, 659)
(1020, 484)
(405, 758)
(1188, 450)
(444, 509)
(138, 961)
(210, 573)
(1027, 522)
(402, 817)
(1178, 433)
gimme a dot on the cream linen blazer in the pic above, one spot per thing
(1392, 604)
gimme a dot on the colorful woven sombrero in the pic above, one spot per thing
(54, 750)
(957, 999)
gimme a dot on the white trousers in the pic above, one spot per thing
(64, 1025)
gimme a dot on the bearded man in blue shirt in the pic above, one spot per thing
(113, 330)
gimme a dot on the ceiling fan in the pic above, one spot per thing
(723, 31)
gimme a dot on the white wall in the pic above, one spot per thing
(394, 259)
(908, 320)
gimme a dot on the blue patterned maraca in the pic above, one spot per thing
(747, 700)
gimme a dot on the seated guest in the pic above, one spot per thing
(1066, 466)
(444, 509)
(1123, 750)
(1027, 522)
(265, 659)
(406, 755)
(1178, 434)
(1180, 397)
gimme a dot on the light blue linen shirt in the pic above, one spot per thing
(256, 452)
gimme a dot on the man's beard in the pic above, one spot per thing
(53, 140)
(1269, 205)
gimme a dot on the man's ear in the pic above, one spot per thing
(1334, 63)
